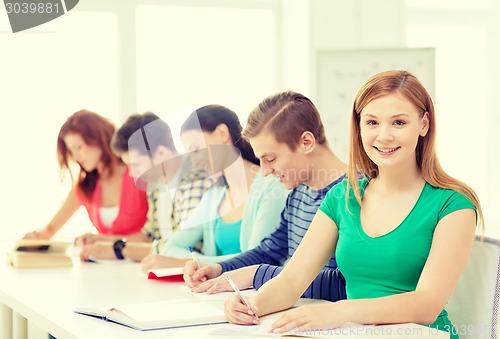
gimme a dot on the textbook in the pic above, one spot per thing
(40, 253)
(42, 245)
(158, 315)
(173, 274)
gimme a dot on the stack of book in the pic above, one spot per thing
(40, 253)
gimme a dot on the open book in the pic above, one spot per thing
(40, 253)
(158, 315)
(172, 274)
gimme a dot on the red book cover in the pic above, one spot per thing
(173, 274)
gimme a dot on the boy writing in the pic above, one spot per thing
(287, 135)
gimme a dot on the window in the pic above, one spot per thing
(188, 57)
(48, 73)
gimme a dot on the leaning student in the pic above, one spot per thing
(235, 215)
(172, 196)
(288, 136)
(104, 186)
(402, 236)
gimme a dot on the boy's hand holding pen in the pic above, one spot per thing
(154, 246)
(244, 301)
(190, 268)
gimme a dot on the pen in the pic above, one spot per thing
(194, 259)
(154, 247)
(237, 290)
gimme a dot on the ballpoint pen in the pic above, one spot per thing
(237, 290)
(154, 247)
(194, 259)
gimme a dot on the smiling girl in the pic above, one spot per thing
(402, 235)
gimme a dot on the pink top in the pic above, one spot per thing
(133, 208)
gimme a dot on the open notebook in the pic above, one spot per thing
(158, 315)
(347, 331)
(262, 330)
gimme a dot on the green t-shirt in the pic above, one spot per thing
(391, 263)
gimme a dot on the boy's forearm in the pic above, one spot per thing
(136, 251)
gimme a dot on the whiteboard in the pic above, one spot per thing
(340, 74)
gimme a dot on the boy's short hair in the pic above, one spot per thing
(286, 116)
(158, 134)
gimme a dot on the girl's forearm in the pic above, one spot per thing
(276, 295)
(411, 307)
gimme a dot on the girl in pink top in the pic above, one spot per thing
(104, 186)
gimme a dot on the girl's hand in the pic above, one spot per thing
(194, 276)
(98, 250)
(309, 317)
(43, 233)
(87, 239)
(243, 278)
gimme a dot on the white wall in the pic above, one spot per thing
(466, 76)
(301, 28)
(466, 35)
(349, 25)
(89, 58)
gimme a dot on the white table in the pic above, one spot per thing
(46, 297)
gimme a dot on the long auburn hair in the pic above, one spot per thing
(408, 86)
(95, 131)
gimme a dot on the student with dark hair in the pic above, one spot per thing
(145, 144)
(208, 118)
(104, 186)
(402, 235)
(236, 214)
(287, 134)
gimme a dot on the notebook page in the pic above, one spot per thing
(163, 272)
(172, 310)
(347, 331)
(221, 296)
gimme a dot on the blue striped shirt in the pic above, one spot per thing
(272, 252)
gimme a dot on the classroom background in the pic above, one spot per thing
(118, 57)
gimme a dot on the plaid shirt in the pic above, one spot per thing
(192, 185)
